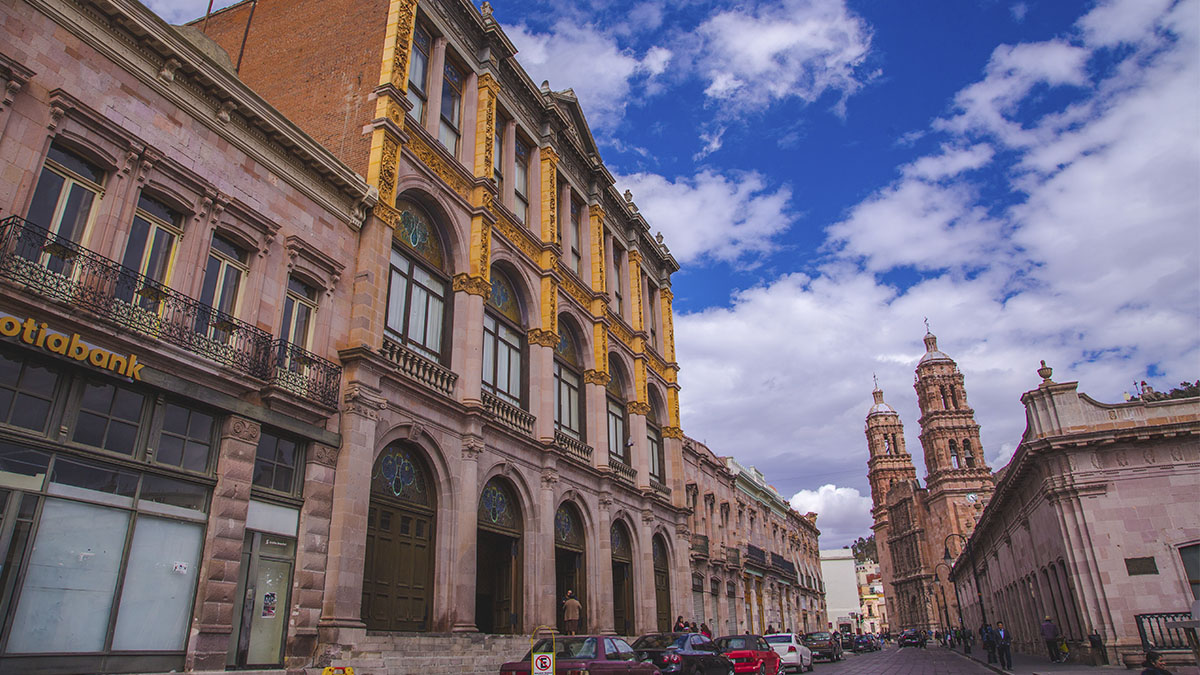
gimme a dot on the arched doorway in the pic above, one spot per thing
(498, 580)
(570, 571)
(662, 583)
(398, 565)
(622, 572)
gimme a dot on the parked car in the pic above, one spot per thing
(865, 643)
(847, 641)
(792, 651)
(824, 644)
(750, 654)
(909, 638)
(689, 653)
(583, 653)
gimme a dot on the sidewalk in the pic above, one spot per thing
(1024, 664)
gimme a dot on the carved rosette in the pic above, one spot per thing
(472, 285)
(545, 338)
(324, 455)
(244, 429)
(596, 377)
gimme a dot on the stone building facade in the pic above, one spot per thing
(1093, 522)
(872, 606)
(176, 262)
(754, 560)
(916, 526)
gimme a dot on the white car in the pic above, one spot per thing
(793, 655)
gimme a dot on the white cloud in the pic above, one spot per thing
(712, 216)
(752, 56)
(1085, 259)
(602, 82)
(1018, 11)
(182, 11)
(843, 514)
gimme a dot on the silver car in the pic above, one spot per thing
(793, 654)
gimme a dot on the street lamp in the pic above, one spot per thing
(948, 559)
(942, 589)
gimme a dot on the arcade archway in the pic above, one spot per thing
(498, 580)
(570, 563)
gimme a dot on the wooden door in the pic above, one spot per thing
(622, 599)
(662, 600)
(397, 570)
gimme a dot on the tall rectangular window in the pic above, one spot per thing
(617, 447)
(418, 73)
(276, 462)
(223, 273)
(150, 249)
(62, 203)
(448, 132)
(566, 401)
(501, 360)
(618, 280)
(576, 257)
(654, 438)
(416, 307)
(298, 311)
(521, 181)
(498, 157)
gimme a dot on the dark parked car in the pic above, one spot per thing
(847, 641)
(585, 653)
(824, 644)
(865, 643)
(910, 638)
(689, 653)
(750, 654)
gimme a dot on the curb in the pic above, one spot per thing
(989, 666)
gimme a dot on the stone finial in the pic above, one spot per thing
(486, 9)
(658, 237)
(545, 85)
(628, 196)
(1045, 372)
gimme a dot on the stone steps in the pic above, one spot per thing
(423, 654)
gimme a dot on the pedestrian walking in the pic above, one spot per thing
(1050, 637)
(967, 639)
(571, 612)
(988, 636)
(1154, 664)
(1004, 646)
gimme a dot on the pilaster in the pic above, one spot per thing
(600, 594)
(464, 537)
(599, 285)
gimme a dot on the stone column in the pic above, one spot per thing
(221, 564)
(599, 563)
(341, 611)
(437, 74)
(541, 384)
(463, 509)
(595, 399)
(644, 599)
(312, 548)
(468, 339)
(639, 456)
(541, 606)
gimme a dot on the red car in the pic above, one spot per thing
(585, 654)
(750, 654)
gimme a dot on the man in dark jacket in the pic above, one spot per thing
(1050, 637)
(988, 637)
(1004, 646)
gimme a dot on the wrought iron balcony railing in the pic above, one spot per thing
(59, 268)
(508, 414)
(700, 545)
(733, 556)
(756, 555)
(622, 471)
(783, 565)
(433, 375)
(575, 448)
(305, 374)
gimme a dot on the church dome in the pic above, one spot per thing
(931, 350)
(880, 408)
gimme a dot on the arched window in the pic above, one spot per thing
(416, 307)
(967, 453)
(953, 453)
(618, 447)
(945, 401)
(568, 401)
(67, 189)
(655, 443)
(503, 341)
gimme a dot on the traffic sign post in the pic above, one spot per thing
(543, 663)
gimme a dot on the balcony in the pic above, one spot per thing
(733, 556)
(622, 471)
(699, 546)
(783, 566)
(659, 487)
(577, 450)
(305, 374)
(419, 369)
(756, 556)
(508, 414)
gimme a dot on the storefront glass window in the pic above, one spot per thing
(164, 560)
(26, 392)
(109, 417)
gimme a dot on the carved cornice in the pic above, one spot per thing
(442, 168)
(472, 285)
(518, 237)
(545, 338)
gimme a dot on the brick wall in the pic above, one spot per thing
(315, 60)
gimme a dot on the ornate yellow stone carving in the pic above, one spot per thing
(576, 290)
(397, 43)
(668, 319)
(600, 338)
(440, 167)
(387, 170)
(481, 245)
(639, 381)
(595, 377)
(672, 432)
(635, 290)
(659, 366)
(519, 237)
(550, 305)
(471, 284)
(485, 127)
(387, 214)
(549, 190)
(596, 214)
(619, 331)
(638, 408)
(544, 338)
(673, 407)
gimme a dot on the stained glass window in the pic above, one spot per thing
(503, 298)
(416, 232)
(400, 473)
(498, 507)
(567, 529)
(620, 542)
(616, 381)
(567, 348)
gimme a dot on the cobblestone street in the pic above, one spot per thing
(907, 661)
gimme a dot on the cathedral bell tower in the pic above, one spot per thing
(889, 461)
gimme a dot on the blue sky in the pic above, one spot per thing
(831, 172)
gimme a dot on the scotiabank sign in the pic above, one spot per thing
(39, 335)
